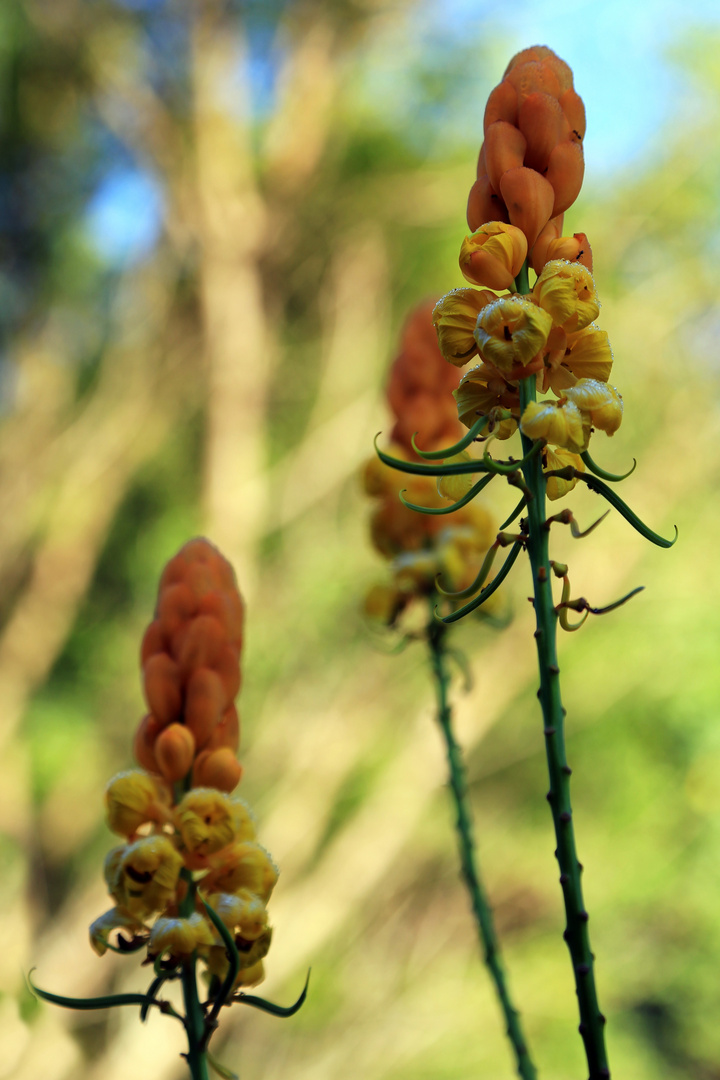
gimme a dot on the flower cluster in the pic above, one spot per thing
(533, 157)
(185, 836)
(421, 546)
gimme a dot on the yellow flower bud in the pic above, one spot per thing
(208, 820)
(560, 459)
(454, 318)
(146, 875)
(567, 291)
(511, 331)
(600, 401)
(493, 255)
(134, 798)
(179, 937)
(557, 422)
(243, 866)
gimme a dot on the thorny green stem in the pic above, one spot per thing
(481, 909)
(576, 933)
(194, 1016)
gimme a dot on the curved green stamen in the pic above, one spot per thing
(438, 510)
(489, 590)
(614, 477)
(456, 448)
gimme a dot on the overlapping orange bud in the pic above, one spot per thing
(191, 669)
(530, 168)
(420, 386)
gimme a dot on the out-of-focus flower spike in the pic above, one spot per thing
(602, 473)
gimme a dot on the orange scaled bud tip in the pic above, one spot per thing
(144, 742)
(484, 204)
(544, 125)
(205, 702)
(493, 255)
(565, 171)
(174, 752)
(162, 687)
(529, 198)
(505, 149)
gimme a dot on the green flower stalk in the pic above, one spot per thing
(528, 342)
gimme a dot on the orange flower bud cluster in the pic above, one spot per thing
(191, 672)
(176, 814)
(530, 167)
(420, 386)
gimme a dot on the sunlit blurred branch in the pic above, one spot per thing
(230, 228)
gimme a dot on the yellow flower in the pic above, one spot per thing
(134, 798)
(115, 919)
(493, 255)
(567, 291)
(586, 355)
(600, 401)
(481, 390)
(558, 422)
(243, 913)
(511, 331)
(560, 459)
(454, 487)
(243, 866)
(179, 937)
(144, 875)
(208, 820)
(454, 318)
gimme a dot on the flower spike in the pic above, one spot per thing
(438, 455)
(613, 477)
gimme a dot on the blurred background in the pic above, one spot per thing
(214, 217)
